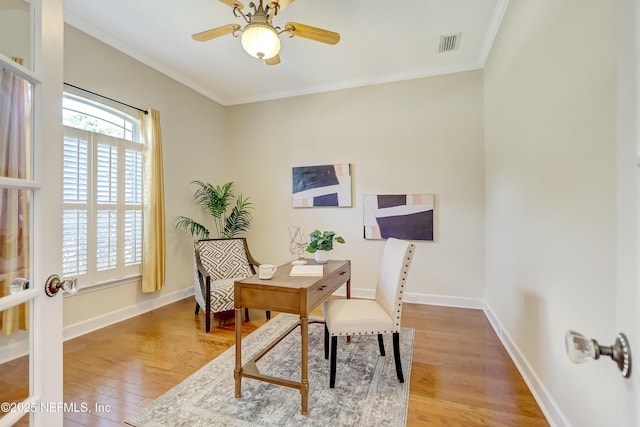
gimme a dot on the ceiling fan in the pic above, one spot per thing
(260, 38)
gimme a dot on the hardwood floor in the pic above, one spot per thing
(460, 375)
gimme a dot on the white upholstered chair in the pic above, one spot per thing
(218, 263)
(346, 317)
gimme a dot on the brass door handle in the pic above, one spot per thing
(54, 284)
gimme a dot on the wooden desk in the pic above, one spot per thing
(286, 294)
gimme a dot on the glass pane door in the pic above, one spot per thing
(16, 196)
(16, 31)
(31, 59)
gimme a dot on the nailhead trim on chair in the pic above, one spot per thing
(339, 334)
(405, 272)
(332, 348)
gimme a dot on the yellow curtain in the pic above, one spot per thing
(153, 246)
(15, 138)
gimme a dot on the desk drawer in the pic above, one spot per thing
(318, 294)
(323, 290)
(340, 278)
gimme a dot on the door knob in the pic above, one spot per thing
(18, 284)
(54, 284)
(580, 349)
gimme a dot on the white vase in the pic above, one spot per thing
(322, 256)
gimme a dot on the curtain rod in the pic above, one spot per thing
(105, 97)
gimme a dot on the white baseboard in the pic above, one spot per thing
(442, 300)
(417, 298)
(549, 407)
(95, 323)
(15, 347)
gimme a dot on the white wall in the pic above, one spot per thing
(418, 136)
(550, 146)
(193, 129)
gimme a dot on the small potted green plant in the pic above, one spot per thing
(321, 243)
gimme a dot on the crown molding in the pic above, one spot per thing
(492, 32)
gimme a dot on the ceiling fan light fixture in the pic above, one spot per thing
(260, 40)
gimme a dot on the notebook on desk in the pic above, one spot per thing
(307, 270)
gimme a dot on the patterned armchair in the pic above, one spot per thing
(217, 264)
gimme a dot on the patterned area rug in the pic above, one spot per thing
(367, 391)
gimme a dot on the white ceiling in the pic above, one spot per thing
(381, 41)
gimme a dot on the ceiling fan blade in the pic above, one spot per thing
(273, 61)
(216, 32)
(233, 3)
(282, 4)
(312, 33)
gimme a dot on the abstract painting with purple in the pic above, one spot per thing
(324, 185)
(403, 216)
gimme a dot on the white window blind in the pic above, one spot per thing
(75, 198)
(102, 197)
(133, 207)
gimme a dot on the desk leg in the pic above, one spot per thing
(349, 297)
(304, 365)
(237, 372)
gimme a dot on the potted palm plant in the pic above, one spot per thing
(321, 243)
(217, 200)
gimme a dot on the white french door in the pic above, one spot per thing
(628, 205)
(31, 58)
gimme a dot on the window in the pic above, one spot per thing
(102, 192)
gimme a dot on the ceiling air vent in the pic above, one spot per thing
(449, 42)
